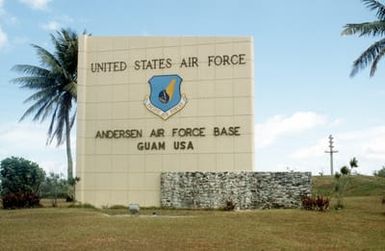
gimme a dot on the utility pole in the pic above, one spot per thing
(331, 152)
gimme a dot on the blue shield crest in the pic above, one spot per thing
(165, 97)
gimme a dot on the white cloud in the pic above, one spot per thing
(308, 133)
(36, 4)
(27, 133)
(367, 145)
(28, 140)
(3, 39)
(268, 132)
(58, 22)
(51, 26)
(375, 149)
(54, 166)
(314, 151)
(369, 141)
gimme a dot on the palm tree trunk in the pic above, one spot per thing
(68, 148)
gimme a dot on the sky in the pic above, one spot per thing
(303, 92)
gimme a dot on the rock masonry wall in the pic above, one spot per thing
(247, 190)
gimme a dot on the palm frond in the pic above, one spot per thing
(47, 59)
(73, 118)
(43, 105)
(368, 56)
(51, 134)
(33, 108)
(71, 88)
(376, 28)
(376, 6)
(46, 93)
(31, 70)
(58, 128)
(66, 46)
(60, 124)
(34, 82)
(44, 111)
(375, 62)
(48, 110)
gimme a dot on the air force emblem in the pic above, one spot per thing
(165, 97)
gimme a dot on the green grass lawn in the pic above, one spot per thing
(360, 226)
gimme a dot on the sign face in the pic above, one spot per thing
(165, 98)
(148, 105)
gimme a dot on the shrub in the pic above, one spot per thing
(380, 173)
(71, 189)
(345, 170)
(342, 180)
(318, 203)
(20, 200)
(54, 187)
(229, 205)
(20, 182)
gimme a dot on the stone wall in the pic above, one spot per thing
(248, 190)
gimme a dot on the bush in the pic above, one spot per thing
(71, 189)
(229, 205)
(20, 182)
(318, 203)
(345, 170)
(20, 200)
(342, 180)
(54, 187)
(380, 173)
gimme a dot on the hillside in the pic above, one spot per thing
(359, 185)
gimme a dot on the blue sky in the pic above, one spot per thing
(303, 91)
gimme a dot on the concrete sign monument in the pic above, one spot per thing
(148, 105)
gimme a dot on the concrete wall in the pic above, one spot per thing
(114, 75)
(248, 190)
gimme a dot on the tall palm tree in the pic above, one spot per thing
(374, 53)
(54, 85)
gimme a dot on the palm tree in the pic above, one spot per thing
(374, 53)
(54, 86)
